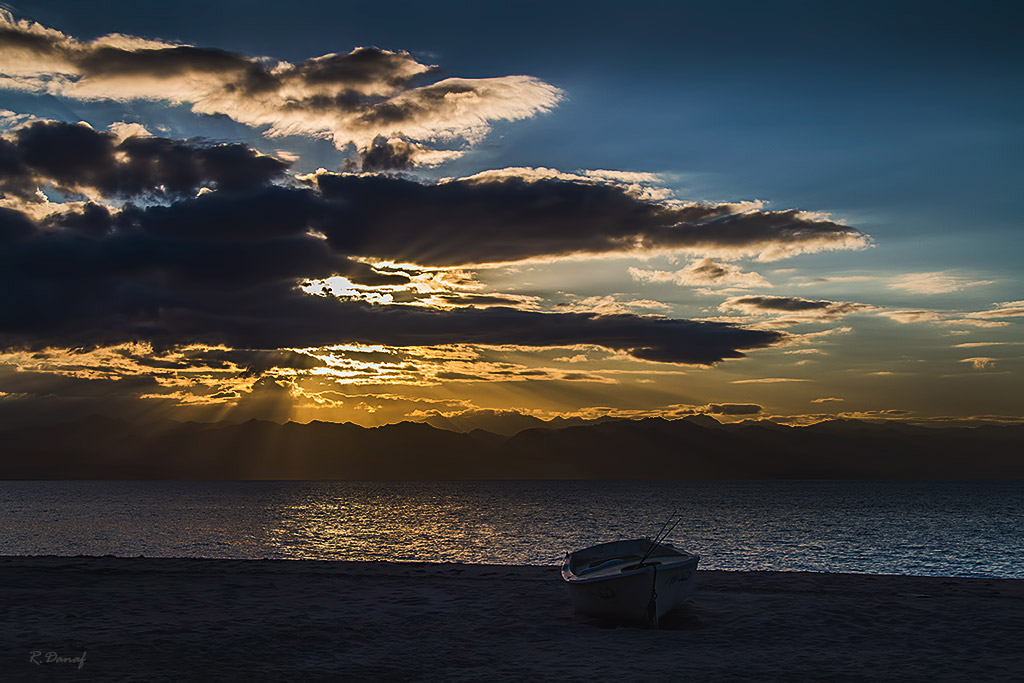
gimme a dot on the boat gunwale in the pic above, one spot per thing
(677, 558)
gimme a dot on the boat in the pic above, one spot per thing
(637, 580)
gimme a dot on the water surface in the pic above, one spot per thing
(921, 528)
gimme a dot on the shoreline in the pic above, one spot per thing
(461, 564)
(397, 564)
(168, 619)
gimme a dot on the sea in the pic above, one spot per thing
(973, 529)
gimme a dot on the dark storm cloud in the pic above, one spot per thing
(222, 267)
(92, 220)
(733, 408)
(161, 62)
(458, 222)
(272, 319)
(505, 219)
(465, 222)
(74, 156)
(94, 286)
(781, 303)
(50, 384)
(140, 283)
(799, 307)
(236, 219)
(14, 226)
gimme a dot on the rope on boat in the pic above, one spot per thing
(652, 605)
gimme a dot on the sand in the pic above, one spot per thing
(191, 619)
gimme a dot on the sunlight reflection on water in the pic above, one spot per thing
(927, 528)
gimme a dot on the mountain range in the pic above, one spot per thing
(695, 447)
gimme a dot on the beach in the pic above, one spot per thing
(201, 619)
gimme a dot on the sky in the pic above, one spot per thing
(375, 212)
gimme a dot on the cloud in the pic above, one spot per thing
(980, 362)
(481, 220)
(935, 283)
(254, 361)
(76, 158)
(10, 119)
(130, 359)
(308, 321)
(185, 243)
(607, 305)
(397, 154)
(351, 98)
(1005, 309)
(223, 270)
(703, 273)
(124, 130)
(972, 345)
(733, 408)
(627, 177)
(837, 278)
(495, 218)
(27, 382)
(801, 309)
(197, 382)
(827, 399)
(484, 372)
(882, 414)
(420, 287)
(907, 317)
(769, 380)
(975, 322)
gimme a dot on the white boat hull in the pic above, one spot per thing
(607, 581)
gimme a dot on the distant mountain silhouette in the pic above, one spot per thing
(689, 448)
(504, 422)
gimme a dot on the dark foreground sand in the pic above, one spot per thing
(159, 619)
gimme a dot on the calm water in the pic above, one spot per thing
(925, 528)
